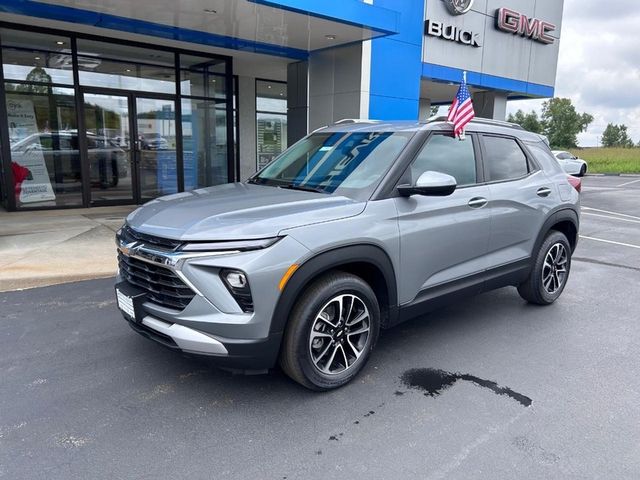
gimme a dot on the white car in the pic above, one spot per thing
(571, 164)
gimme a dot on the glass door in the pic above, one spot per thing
(108, 148)
(156, 147)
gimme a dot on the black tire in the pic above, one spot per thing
(583, 171)
(535, 289)
(296, 354)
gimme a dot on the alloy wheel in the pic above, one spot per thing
(339, 334)
(554, 269)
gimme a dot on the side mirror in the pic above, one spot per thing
(432, 184)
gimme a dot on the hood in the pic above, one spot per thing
(238, 211)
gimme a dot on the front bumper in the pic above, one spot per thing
(212, 324)
(247, 355)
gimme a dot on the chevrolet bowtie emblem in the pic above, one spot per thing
(128, 248)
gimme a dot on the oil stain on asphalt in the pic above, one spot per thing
(433, 382)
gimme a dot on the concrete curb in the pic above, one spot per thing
(28, 283)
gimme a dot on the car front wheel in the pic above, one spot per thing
(331, 332)
(550, 271)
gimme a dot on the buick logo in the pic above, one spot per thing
(459, 7)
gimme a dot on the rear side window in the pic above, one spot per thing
(504, 159)
(448, 155)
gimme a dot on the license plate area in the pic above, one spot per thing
(130, 300)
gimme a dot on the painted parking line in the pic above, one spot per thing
(611, 213)
(629, 183)
(610, 241)
(610, 217)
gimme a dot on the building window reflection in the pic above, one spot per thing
(155, 121)
(271, 120)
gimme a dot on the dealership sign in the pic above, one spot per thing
(451, 32)
(459, 7)
(511, 21)
(507, 20)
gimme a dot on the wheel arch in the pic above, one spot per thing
(566, 221)
(367, 261)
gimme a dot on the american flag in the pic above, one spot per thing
(461, 111)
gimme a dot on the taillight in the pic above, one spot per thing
(575, 182)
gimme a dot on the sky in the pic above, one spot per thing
(599, 65)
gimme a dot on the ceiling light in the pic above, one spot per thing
(128, 70)
(330, 37)
(210, 11)
(36, 58)
(268, 86)
(59, 42)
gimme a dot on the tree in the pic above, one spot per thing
(562, 123)
(38, 74)
(528, 121)
(616, 136)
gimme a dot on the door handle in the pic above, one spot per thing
(543, 192)
(478, 202)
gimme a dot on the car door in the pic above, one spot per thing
(521, 196)
(443, 239)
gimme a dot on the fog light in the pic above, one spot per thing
(236, 279)
(238, 285)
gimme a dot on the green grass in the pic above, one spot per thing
(610, 160)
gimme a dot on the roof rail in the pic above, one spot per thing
(482, 121)
(355, 120)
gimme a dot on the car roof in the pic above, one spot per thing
(435, 124)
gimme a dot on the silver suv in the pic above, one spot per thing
(355, 228)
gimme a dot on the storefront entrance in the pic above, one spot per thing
(87, 122)
(130, 146)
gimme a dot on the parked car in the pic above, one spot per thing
(153, 141)
(61, 152)
(355, 228)
(571, 164)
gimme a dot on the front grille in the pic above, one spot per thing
(128, 235)
(162, 286)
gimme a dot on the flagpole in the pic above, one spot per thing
(461, 137)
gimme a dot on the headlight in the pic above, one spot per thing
(239, 245)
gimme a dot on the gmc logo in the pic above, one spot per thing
(517, 23)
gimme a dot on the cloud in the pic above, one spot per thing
(599, 65)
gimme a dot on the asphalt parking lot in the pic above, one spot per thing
(524, 392)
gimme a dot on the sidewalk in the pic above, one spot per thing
(58, 246)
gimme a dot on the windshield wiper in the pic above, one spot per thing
(303, 188)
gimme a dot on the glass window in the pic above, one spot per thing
(343, 163)
(124, 67)
(45, 158)
(446, 154)
(504, 158)
(271, 96)
(36, 57)
(271, 120)
(204, 132)
(156, 129)
(202, 77)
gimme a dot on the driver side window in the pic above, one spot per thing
(446, 154)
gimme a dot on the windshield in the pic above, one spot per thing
(344, 163)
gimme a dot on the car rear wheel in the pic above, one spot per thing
(331, 332)
(550, 271)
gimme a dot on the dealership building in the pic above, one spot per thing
(118, 102)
